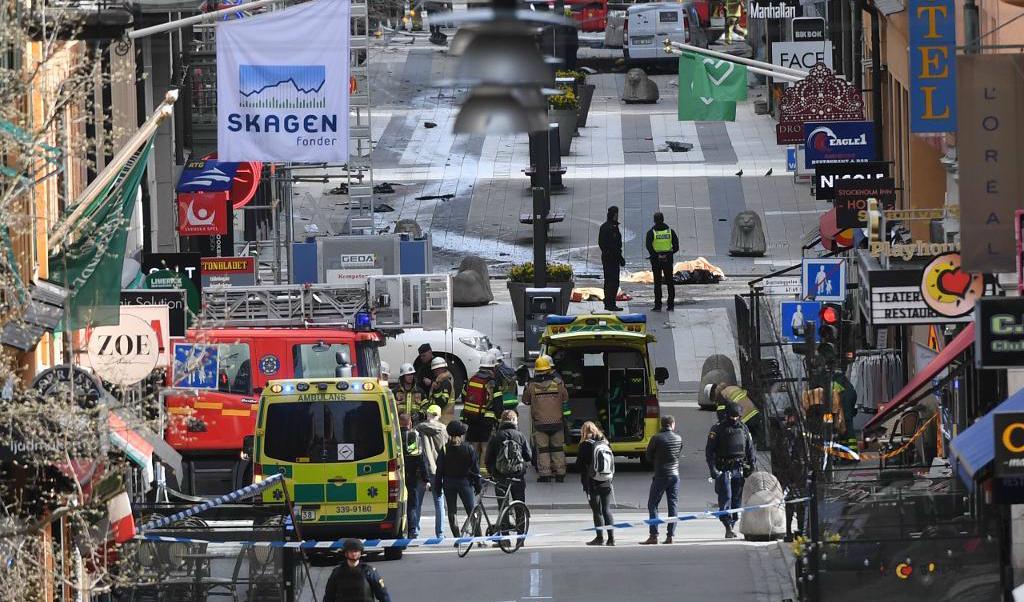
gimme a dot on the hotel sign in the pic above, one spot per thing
(932, 25)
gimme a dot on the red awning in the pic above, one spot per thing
(958, 345)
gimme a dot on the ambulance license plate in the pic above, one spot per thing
(353, 509)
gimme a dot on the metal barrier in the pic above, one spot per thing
(897, 536)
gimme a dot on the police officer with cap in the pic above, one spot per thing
(730, 456)
(353, 580)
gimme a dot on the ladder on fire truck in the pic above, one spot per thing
(395, 302)
(281, 305)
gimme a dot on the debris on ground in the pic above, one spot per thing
(429, 124)
(384, 188)
(678, 147)
(431, 197)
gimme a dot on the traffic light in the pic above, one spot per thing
(830, 320)
(807, 347)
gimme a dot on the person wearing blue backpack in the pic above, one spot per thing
(597, 469)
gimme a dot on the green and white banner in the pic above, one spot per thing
(709, 88)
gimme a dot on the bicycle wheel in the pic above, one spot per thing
(513, 520)
(469, 529)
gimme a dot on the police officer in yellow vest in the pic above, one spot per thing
(481, 405)
(408, 396)
(662, 244)
(723, 393)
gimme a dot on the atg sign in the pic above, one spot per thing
(282, 85)
(932, 25)
(839, 142)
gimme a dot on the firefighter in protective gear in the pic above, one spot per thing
(662, 244)
(548, 399)
(733, 12)
(506, 379)
(442, 389)
(723, 393)
(408, 395)
(481, 405)
(730, 456)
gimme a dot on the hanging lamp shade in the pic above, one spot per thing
(499, 110)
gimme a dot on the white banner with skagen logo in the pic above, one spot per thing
(283, 85)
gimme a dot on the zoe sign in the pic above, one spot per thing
(126, 353)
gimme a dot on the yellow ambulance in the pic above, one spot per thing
(338, 443)
(605, 362)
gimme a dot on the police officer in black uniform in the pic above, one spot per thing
(730, 455)
(353, 580)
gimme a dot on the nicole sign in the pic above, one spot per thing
(839, 142)
(932, 25)
(282, 85)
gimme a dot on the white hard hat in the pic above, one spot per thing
(385, 368)
(406, 368)
(708, 389)
(438, 362)
(488, 360)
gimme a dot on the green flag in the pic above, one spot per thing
(709, 89)
(90, 267)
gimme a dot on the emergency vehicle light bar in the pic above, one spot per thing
(633, 318)
(559, 320)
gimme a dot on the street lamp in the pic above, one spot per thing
(500, 60)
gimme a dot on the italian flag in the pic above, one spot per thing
(119, 514)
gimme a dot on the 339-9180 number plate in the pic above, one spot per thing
(353, 509)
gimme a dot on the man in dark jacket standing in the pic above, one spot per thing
(663, 452)
(508, 430)
(730, 456)
(662, 243)
(609, 240)
(353, 580)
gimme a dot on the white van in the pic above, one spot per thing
(647, 26)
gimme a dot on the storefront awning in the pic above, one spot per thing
(955, 347)
(974, 449)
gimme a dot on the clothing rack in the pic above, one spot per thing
(877, 375)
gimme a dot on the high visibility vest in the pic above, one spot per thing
(409, 400)
(662, 241)
(478, 399)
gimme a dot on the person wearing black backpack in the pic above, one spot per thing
(597, 468)
(507, 456)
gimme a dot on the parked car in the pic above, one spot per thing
(648, 25)
(463, 348)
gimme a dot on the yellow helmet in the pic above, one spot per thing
(543, 364)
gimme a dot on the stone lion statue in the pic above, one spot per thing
(410, 227)
(639, 88)
(747, 236)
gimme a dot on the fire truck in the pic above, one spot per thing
(248, 336)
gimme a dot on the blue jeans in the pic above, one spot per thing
(455, 490)
(667, 486)
(729, 487)
(421, 488)
(413, 506)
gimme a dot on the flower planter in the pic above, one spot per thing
(517, 290)
(586, 95)
(566, 120)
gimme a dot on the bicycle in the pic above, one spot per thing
(513, 520)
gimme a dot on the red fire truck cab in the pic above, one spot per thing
(207, 426)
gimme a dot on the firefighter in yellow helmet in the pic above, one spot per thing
(548, 399)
